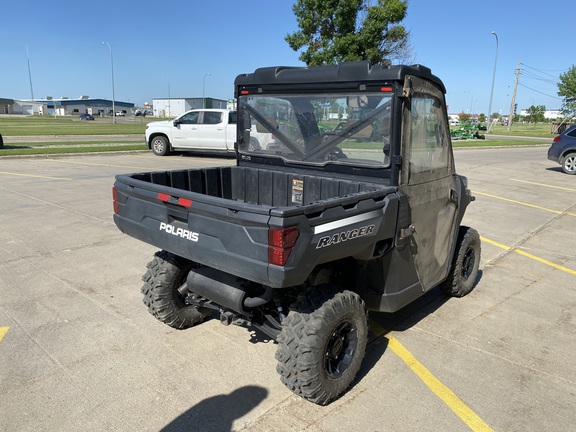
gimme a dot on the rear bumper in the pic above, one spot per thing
(554, 154)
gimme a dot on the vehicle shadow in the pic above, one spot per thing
(14, 147)
(204, 153)
(218, 413)
(414, 312)
(382, 323)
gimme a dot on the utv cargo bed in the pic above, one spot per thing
(221, 216)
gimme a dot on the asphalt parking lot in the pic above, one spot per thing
(79, 351)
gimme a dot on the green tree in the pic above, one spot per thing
(464, 118)
(536, 113)
(332, 31)
(567, 90)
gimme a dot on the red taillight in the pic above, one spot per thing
(185, 202)
(280, 244)
(557, 138)
(385, 89)
(163, 197)
(115, 198)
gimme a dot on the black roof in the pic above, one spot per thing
(348, 72)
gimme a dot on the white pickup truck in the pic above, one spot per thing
(211, 130)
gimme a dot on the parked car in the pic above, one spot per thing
(86, 117)
(563, 150)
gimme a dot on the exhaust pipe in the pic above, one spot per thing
(224, 289)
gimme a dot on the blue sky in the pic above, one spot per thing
(170, 47)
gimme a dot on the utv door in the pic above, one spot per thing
(428, 179)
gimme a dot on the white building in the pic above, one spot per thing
(25, 107)
(64, 106)
(173, 107)
(85, 105)
(548, 114)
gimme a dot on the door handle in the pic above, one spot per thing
(453, 196)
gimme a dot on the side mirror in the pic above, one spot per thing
(176, 122)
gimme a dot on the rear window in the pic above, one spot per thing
(212, 117)
(320, 129)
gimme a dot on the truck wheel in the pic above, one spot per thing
(465, 264)
(322, 344)
(569, 163)
(160, 146)
(165, 274)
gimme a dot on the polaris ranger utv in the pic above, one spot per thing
(344, 199)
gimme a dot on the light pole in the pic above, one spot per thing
(113, 95)
(203, 87)
(492, 89)
(471, 100)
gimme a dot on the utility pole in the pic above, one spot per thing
(514, 96)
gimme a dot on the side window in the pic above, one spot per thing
(190, 118)
(212, 117)
(429, 139)
(232, 117)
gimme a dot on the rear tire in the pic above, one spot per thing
(569, 163)
(322, 344)
(464, 269)
(160, 146)
(166, 273)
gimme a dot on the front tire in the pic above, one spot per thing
(464, 269)
(322, 344)
(569, 163)
(160, 146)
(166, 273)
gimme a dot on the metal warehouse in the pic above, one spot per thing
(64, 106)
(173, 107)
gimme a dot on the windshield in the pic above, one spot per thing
(351, 129)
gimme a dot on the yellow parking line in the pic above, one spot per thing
(523, 203)
(544, 185)
(3, 331)
(34, 176)
(529, 255)
(444, 393)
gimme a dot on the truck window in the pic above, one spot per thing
(211, 117)
(190, 118)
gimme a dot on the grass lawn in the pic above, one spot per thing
(541, 130)
(82, 148)
(494, 143)
(49, 125)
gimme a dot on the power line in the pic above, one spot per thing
(544, 71)
(533, 76)
(537, 91)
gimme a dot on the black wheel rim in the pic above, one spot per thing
(468, 263)
(340, 349)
